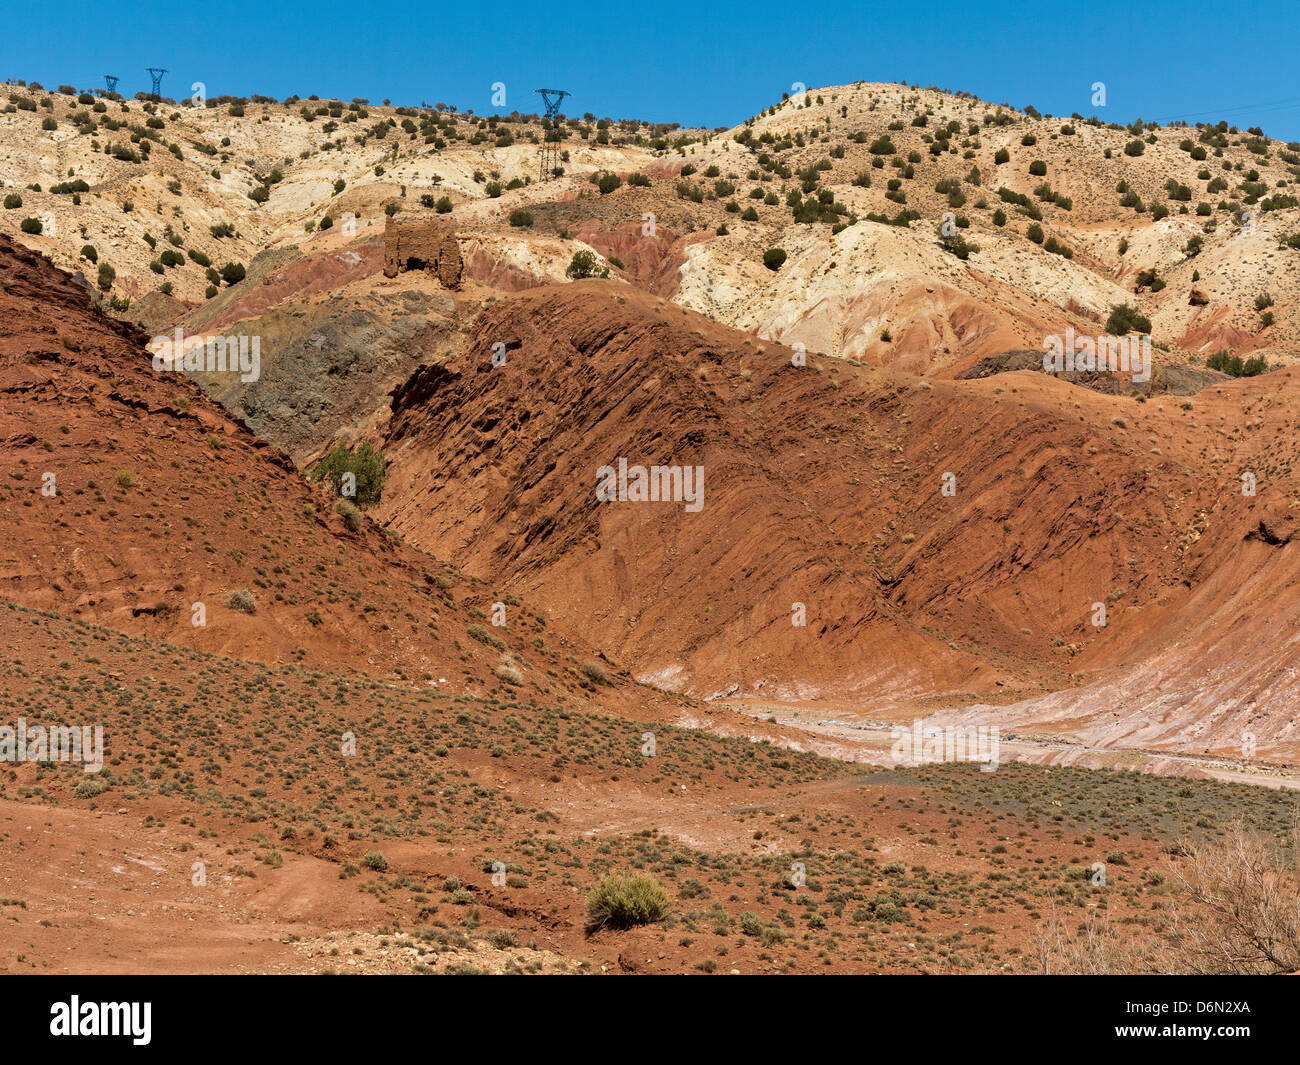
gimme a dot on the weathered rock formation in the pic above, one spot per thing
(422, 245)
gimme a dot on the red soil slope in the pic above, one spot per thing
(823, 487)
(159, 500)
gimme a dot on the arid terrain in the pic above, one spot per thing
(420, 726)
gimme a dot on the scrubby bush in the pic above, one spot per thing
(1124, 319)
(585, 264)
(774, 258)
(623, 900)
(521, 219)
(89, 788)
(242, 600)
(509, 674)
(350, 514)
(365, 464)
(1235, 365)
(478, 632)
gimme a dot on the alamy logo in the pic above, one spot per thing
(57, 743)
(103, 1018)
(923, 744)
(1128, 354)
(654, 484)
(208, 354)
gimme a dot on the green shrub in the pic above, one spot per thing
(623, 900)
(242, 601)
(89, 788)
(1235, 366)
(1125, 319)
(365, 464)
(31, 225)
(774, 258)
(478, 632)
(585, 264)
(376, 861)
(521, 219)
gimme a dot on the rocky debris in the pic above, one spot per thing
(1174, 379)
(1197, 298)
(1277, 525)
(422, 245)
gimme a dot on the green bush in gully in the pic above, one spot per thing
(365, 464)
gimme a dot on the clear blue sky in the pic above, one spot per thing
(695, 63)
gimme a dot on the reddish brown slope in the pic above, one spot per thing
(164, 501)
(822, 487)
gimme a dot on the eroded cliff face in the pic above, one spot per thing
(422, 245)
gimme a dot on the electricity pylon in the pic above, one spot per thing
(549, 152)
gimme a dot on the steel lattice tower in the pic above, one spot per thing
(549, 152)
(111, 81)
(157, 74)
